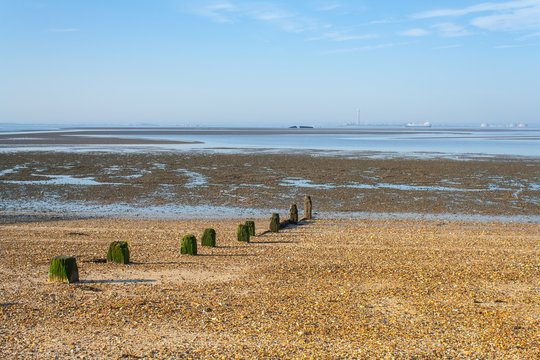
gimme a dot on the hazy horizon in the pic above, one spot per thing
(271, 63)
(45, 126)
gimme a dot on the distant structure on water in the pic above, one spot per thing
(357, 122)
(513, 125)
(427, 124)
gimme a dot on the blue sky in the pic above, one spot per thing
(236, 62)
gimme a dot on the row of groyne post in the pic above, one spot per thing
(276, 224)
(65, 269)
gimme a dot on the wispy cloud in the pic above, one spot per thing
(317, 22)
(483, 7)
(329, 6)
(414, 32)
(528, 36)
(519, 19)
(282, 19)
(451, 30)
(499, 16)
(234, 11)
(221, 12)
(381, 21)
(271, 15)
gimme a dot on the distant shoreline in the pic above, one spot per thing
(59, 139)
(381, 142)
(88, 131)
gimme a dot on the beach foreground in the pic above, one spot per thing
(327, 288)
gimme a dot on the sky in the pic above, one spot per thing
(269, 63)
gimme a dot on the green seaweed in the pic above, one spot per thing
(208, 238)
(243, 233)
(251, 227)
(189, 245)
(118, 252)
(64, 269)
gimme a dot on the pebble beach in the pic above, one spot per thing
(326, 288)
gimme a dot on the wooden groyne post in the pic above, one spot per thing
(293, 214)
(64, 269)
(242, 233)
(274, 223)
(208, 238)
(118, 252)
(189, 245)
(308, 207)
(251, 227)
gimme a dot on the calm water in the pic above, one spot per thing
(402, 141)
(445, 143)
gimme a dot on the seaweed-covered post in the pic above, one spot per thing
(274, 223)
(251, 227)
(243, 233)
(208, 238)
(189, 245)
(307, 207)
(64, 269)
(118, 252)
(293, 214)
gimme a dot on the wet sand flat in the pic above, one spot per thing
(328, 288)
(53, 139)
(36, 182)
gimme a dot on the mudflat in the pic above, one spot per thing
(327, 288)
(35, 181)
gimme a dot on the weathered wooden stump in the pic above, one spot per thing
(284, 224)
(189, 245)
(308, 207)
(64, 269)
(243, 233)
(274, 223)
(118, 252)
(293, 214)
(251, 227)
(208, 238)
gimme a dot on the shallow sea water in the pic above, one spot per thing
(507, 143)
(384, 141)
